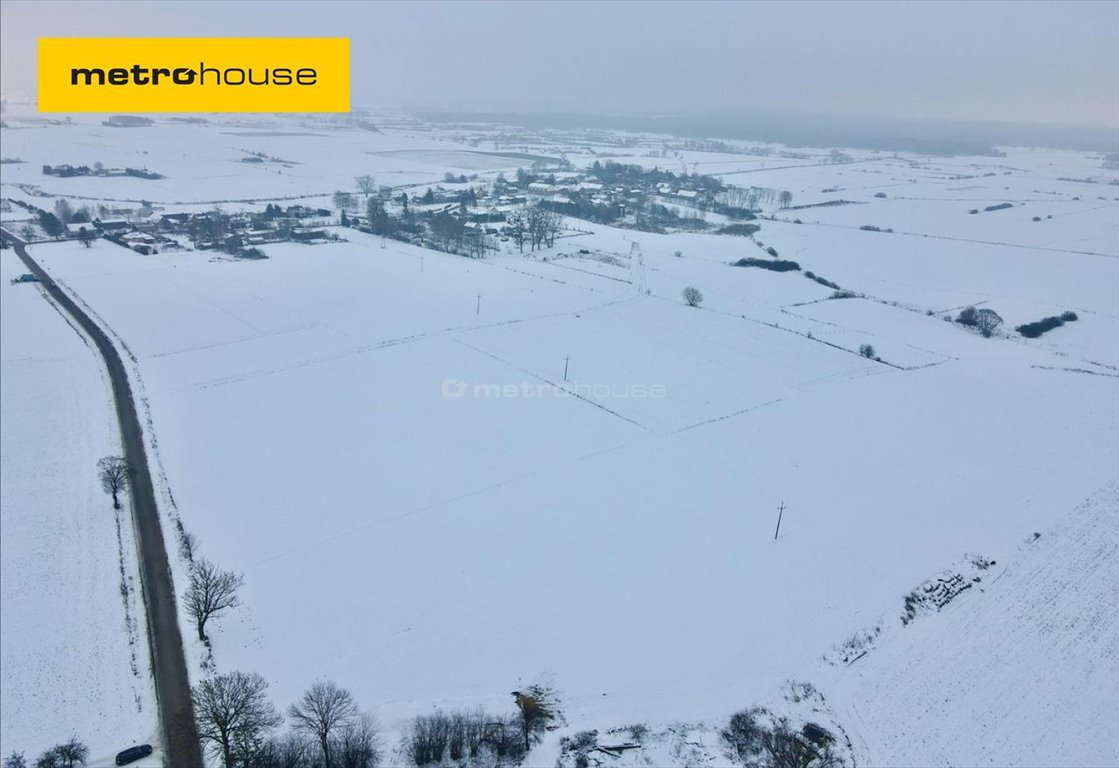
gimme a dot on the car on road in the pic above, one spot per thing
(132, 754)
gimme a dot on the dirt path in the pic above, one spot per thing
(172, 683)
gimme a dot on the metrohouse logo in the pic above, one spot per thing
(194, 74)
(138, 75)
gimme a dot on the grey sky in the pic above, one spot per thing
(1017, 61)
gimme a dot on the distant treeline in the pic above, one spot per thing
(934, 137)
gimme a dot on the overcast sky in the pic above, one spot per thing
(1017, 61)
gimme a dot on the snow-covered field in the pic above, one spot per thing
(73, 661)
(427, 511)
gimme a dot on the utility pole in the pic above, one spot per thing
(780, 512)
(478, 309)
(421, 263)
(565, 362)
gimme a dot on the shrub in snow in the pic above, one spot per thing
(967, 316)
(826, 283)
(776, 266)
(742, 736)
(638, 732)
(692, 296)
(578, 745)
(987, 321)
(1038, 327)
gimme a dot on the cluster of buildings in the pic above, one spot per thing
(210, 230)
(84, 170)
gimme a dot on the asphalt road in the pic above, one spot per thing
(172, 683)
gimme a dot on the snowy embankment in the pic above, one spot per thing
(1023, 670)
(74, 653)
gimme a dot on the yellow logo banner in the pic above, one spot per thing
(194, 74)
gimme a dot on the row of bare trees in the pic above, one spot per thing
(210, 590)
(236, 722)
(69, 754)
(535, 224)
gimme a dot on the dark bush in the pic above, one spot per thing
(879, 194)
(999, 207)
(821, 281)
(841, 294)
(743, 735)
(771, 251)
(968, 316)
(738, 229)
(776, 266)
(638, 732)
(580, 742)
(1038, 327)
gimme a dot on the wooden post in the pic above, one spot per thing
(780, 512)
(478, 309)
(565, 362)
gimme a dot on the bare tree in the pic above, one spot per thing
(49, 759)
(367, 185)
(786, 198)
(343, 201)
(27, 232)
(73, 752)
(866, 350)
(987, 321)
(233, 714)
(788, 748)
(113, 471)
(516, 226)
(63, 210)
(358, 745)
(693, 297)
(537, 709)
(289, 751)
(68, 755)
(15, 760)
(210, 592)
(539, 224)
(322, 712)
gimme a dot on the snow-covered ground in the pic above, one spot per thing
(429, 512)
(1022, 672)
(73, 661)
